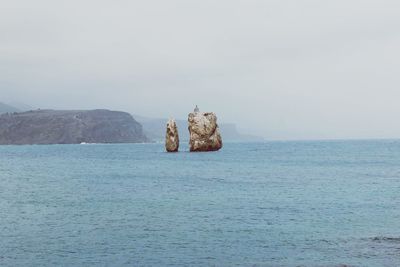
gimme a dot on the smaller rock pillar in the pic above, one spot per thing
(172, 137)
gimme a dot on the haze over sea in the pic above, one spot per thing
(309, 203)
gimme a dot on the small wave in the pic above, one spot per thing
(386, 239)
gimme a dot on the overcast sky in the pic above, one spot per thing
(296, 69)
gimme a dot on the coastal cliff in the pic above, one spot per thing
(69, 127)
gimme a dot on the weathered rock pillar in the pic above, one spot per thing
(204, 132)
(172, 137)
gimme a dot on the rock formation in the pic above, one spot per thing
(204, 132)
(154, 128)
(69, 127)
(172, 137)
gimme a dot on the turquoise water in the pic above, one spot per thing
(259, 204)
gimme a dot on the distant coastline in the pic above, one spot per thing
(20, 126)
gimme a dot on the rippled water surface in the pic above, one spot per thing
(259, 204)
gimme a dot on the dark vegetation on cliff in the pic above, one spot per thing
(70, 127)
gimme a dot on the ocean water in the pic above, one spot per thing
(311, 203)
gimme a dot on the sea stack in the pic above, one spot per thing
(172, 137)
(204, 132)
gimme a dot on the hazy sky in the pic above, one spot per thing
(282, 69)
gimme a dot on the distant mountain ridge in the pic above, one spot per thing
(155, 128)
(70, 127)
(4, 108)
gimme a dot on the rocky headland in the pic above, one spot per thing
(69, 127)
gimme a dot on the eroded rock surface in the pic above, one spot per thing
(204, 132)
(172, 137)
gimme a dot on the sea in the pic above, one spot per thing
(280, 203)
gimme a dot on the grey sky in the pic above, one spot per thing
(281, 69)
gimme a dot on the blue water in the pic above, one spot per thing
(260, 204)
